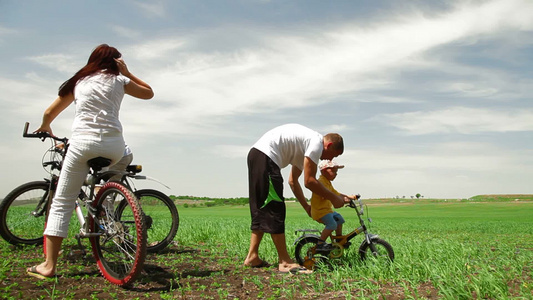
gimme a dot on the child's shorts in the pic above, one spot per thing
(332, 220)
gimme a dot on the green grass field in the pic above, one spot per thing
(444, 250)
(456, 250)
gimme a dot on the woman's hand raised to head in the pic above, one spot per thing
(122, 67)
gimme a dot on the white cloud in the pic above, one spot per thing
(439, 170)
(7, 31)
(332, 128)
(471, 90)
(462, 120)
(151, 9)
(477, 157)
(290, 71)
(451, 71)
(230, 151)
(126, 32)
(304, 69)
(60, 62)
(160, 51)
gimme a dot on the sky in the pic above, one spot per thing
(431, 97)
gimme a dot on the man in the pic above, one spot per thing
(302, 148)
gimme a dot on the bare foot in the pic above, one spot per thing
(285, 268)
(253, 262)
(261, 264)
(40, 272)
(294, 269)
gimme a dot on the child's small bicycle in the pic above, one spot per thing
(308, 256)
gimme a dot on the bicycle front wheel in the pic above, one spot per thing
(120, 249)
(378, 249)
(161, 217)
(22, 213)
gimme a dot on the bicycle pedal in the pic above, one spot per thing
(76, 253)
(90, 234)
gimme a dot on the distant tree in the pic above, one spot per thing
(418, 196)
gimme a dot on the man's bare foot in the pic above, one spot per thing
(260, 264)
(293, 269)
(252, 262)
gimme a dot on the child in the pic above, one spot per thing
(322, 209)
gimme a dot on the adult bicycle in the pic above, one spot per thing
(26, 227)
(161, 214)
(372, 246)
(118, 244)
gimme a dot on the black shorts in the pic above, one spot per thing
(261, 171)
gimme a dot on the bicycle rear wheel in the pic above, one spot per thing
(120, 250)
(161, 217)
(22, 213)
(306, 254)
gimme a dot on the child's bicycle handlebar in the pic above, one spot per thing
(354, 204)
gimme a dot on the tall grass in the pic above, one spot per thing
(457, 251)
(443, 249)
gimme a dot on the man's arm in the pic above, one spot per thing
(297, 189)
(316, 187)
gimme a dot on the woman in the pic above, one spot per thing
(97, 90)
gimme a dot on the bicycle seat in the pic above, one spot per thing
(98, 163)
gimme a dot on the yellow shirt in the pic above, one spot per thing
(321, 206)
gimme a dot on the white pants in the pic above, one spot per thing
(124, 162)
(74, 171)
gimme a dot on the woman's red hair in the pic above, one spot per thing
(102, 59)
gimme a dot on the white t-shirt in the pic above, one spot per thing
(290, 143)
(98, 98)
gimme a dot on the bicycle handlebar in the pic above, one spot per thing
(41, 135)
(353, 204)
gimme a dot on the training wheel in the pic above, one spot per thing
(309, 264)
(337, 252)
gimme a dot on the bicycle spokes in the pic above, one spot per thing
(120, 246)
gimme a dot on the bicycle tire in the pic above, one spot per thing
(161, 217)
(305, 252)
(22, 213)
(378, 248)
(120, 250)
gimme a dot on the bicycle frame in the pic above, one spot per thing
(95, 177)
(52, 162)
(42, 205)
(118, 238)
(343, 240)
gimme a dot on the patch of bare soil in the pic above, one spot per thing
(177, 273)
